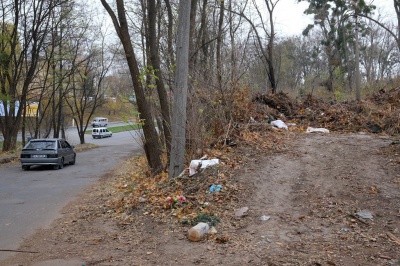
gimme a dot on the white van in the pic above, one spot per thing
(101, 132)
(100, 122)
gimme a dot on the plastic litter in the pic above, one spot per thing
(215, 188)
(212, 230)
(366, 214)
(195, 164)
(279, 124)
(197, 232)
(265, 218)
(317, 130)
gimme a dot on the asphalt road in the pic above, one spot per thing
(32, 199)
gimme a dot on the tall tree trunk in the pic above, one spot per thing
(203, 41)
(155, 61)
(151, 143)
(193, 12)
(219, 43)
(270, 47)
(180, 92)
(170, 58)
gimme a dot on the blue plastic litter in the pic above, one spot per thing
(215, 188)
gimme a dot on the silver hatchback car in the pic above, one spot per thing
(54, 152)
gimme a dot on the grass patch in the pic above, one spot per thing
(120, 128)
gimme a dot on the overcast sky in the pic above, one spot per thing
(290, 19)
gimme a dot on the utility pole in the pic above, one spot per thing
(178, 140)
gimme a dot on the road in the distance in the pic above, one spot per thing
(32, 199)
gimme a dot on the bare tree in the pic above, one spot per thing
(21, 45)
(151, 145)
(266, 50)
(156, 63)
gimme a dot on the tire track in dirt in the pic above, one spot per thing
(311, 193)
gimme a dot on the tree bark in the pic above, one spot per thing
(151, 143)
(180, 92)
(155, 61)
(219, 44)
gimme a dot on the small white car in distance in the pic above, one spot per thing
(101, 132)
(100, 122)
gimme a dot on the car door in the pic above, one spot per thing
(69, 151)
(63, 151)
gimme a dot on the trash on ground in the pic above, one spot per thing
(364, 214)
(173, 201)
(346, 230)
(141, 199)
(197, 232)
(317, 130)
(265, 218)
(196, 165)
(215, 188)
(212, 230)
(279, 124)
(241, 212)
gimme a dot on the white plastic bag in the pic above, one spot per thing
(194, 164)
(319, 130)
(279, 124)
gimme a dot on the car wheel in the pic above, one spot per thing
(62, 163)
(59, 166)
(26, 167)
(73, 160)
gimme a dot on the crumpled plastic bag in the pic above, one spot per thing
(318, 130)
(279, 124)
(194, 164)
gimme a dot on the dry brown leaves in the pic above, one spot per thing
(184, 198)
(378, 113)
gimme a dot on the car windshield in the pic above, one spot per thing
(41, 145)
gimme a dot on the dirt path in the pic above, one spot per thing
(311, 194)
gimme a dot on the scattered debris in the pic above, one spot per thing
(213, 230)
(196, 165)
(279, 124)
(215, 188)
(265, 218)
(365, 214)
(198, 232)
(316, 130)
(141, 199)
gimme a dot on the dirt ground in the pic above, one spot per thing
(315, 194)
